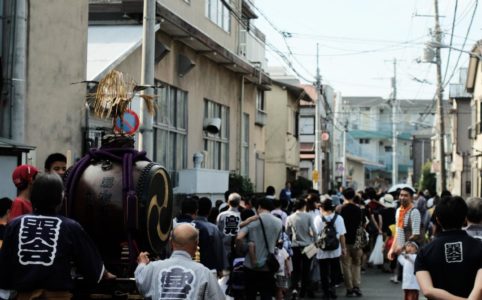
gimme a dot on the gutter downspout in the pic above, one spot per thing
(241, 129)
(18, 75)
(19, 72)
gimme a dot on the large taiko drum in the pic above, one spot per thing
(98, 203)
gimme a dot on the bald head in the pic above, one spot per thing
(185, 237)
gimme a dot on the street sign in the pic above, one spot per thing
(128, 123)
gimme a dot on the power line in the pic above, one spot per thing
(451, 40)
(463, 45)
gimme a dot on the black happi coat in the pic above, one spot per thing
(38, 252)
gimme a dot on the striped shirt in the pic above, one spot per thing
(411, 223)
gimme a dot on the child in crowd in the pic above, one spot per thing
(283, 274)
(407, 259)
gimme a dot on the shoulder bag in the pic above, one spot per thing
(271, 261)
(361, 240)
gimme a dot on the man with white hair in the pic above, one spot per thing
(228, 223)
(178, 277)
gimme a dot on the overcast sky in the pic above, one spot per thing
(358, 40)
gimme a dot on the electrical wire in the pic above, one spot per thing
(463, 45)
(451, 40)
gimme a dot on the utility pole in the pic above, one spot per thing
(318, 106)
(394, 125)
(438, 98)
(147, 73)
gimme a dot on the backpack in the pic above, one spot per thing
(328, 240)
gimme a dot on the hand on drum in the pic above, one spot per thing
(143, 258)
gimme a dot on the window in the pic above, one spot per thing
(307, 125)
(364, 141)
(170, 130)
(217, 12)
(388, 149)
(260, 100)
(217, 145)
(245, 141)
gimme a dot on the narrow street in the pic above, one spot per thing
(376, 285)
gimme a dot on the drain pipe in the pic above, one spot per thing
(18, 75)
(241, 128)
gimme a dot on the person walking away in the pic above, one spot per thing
(373, 208)
(450, 266)
(23, 177)
(228, 224)
(353, 218)
(328, 259)
(474, 217)
(178, 277)
(211, 247)
(299, 227)
(39, 248)
(263, 233)
(285, 197)
(278, 212)
(407, 260)
(388, 217)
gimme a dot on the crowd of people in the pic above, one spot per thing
(257, 246)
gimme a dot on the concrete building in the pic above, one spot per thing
(282, 133)
(204, 63)
(43, 52)
(308, 134)
(368, 124)
(473, 85)
(461, 143)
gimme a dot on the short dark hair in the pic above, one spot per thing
(474, 210)
(5, 205)
(370, 193)
(299, 204)
(53, 158)
(266, 203)
(451, 212)
(189, 205)
(349, 193)
(47, 193)
(270, 191)
(205, 206)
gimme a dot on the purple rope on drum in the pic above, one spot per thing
(128, 157)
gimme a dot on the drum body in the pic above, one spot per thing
(98, 205)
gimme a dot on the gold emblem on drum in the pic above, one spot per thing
(153, 205)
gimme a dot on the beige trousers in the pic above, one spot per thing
(351, 264)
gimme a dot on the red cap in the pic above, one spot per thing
(23, 174)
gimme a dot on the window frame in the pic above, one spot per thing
(170, 125)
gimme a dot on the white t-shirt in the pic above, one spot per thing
(340, 230)
(409, 281)
(281, 255)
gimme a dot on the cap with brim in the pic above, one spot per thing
(23, 174)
